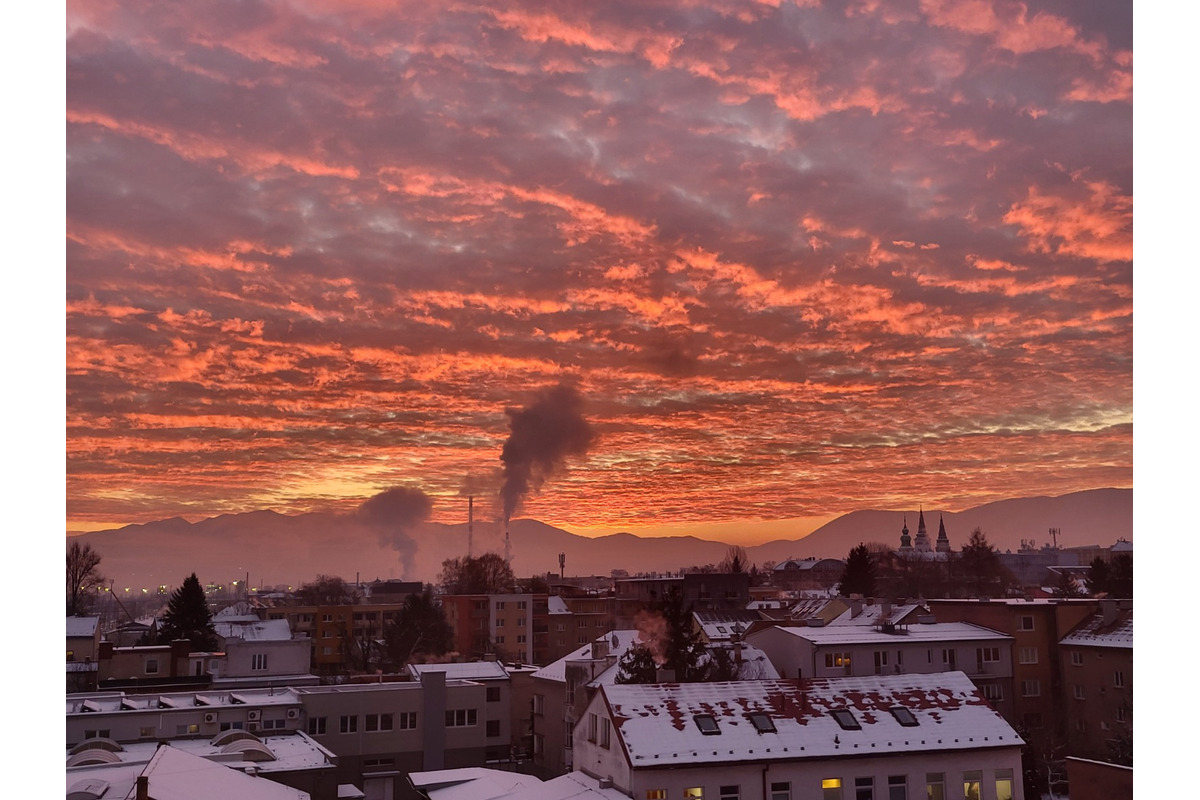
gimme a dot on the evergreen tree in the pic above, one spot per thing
(669, 642)
(419, 629)
(189, 617)
(858, 577)
(979, 567)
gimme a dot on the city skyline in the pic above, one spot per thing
(790, 260)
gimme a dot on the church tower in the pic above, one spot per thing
(905, 539)
(921, 545)
(943, 541)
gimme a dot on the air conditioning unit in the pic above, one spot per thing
(253, 715)
(210, 717)
(293, 713)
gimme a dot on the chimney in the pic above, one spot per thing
(605, 783)
(433, 706)
(143, 787)
(855, 608)
(885, 610)
(600, 648)
(470, 524)
(1108, 612)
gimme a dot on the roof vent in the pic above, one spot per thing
(606, 783)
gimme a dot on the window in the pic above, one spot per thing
(1026, 623)
(493, 694)
(1121, 713)
(147, 731)
(106, 733)
(70, 655)
(462, 718)
(1077, 658)
(762, 722)
(232, 726)
(949, 658)
(904, 717)
(273, 724)
(183, 730)
(500, 623)
(499, 605)
(837, 660)
(707, 724)
(151, 666)
(568, 734)
(258, 661)
(1079, 695)
(408, 720)
(605, 733)
(731, 793)
(539, 704)
(317, 726)
(520, 605)
(985, 655)
(972, 780)
(1118, 679)
(992, 691)
(831, 789)
(1004, 784)
(846, 719)
(493, 728)
(881, 662)
(781, 790)
(520, 638)
(1031, 688)
(379, 722)
(864, 789)
(694, 793)
(935, 785)
(326, 651)
(898, 787)
(1081, 725)
(1028, 655)
(656, 794)
(327, 618)
(349, 724)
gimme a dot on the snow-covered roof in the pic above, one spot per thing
(1093, 632)
(862, 634)
(177, 773)
(477, 783)
(557, 605)
(465, 671)
(259, 630)
(658, 727)
(82, 626)
(90, 702)
(557, 670)
(719, 625)
(873, 614)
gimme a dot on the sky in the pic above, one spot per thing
(780, 261)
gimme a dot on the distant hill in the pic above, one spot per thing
(276, 549)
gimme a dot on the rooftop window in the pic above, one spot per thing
(904, 717)
(762, 722)
(846, 720)
(707, 724)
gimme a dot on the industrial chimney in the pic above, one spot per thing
(470, 524)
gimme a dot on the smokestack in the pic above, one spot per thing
(143, 787)
(470, 524)
(507, 545)
(562, 566)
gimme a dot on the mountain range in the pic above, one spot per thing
(273, 549)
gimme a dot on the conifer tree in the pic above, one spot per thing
(859, 575)
(189, 617)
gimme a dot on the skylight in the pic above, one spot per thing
(707, 724)
(846, 720)
(904, 717)
(762, 722)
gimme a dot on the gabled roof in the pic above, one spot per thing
(656, 724)
(557, 670)
(82, 626)
(719, 625)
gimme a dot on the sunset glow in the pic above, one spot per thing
(797, 258)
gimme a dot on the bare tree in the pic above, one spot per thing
(736, 560)
(83, 575)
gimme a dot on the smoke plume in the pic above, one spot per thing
(394, 512)
(543, 434)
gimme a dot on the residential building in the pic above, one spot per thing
(924, 648)
(1039, 705)
(808, 574)
(83, 646)
(499, 743)
(900, 737)
(257, 652)
(1097, 669)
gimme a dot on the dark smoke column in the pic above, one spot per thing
(542, 436)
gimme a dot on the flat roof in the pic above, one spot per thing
(862, 634)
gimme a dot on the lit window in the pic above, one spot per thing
(846, 720)
(693, 793)
(707, 724)
(972, 781)
(831, 789)
(1004, 784)
(898, 787)
(904, 717)
(762, 722)
(837, 660)
(656, 794)
(70, 655)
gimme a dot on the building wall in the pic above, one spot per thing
(1097, 781)
(282, 657)
(1098, 695)
(511, 626)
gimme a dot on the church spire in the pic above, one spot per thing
(943, 541)
(905, 539)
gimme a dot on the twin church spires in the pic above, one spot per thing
(921, 545)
